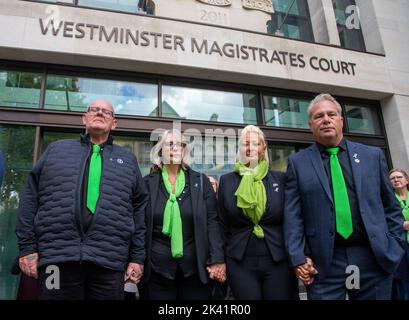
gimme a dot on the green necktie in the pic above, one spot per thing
(94, 178)
(343, 216)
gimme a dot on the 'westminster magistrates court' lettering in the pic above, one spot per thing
(157, 40)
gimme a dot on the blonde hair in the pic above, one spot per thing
(252, 129)
(156, 156)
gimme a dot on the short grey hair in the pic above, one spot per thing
(156, 157)
(400, 171)
(252, 129)
(323, 97)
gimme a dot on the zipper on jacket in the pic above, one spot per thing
(100, 192)
(78, 205)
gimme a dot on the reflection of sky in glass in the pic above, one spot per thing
(127, 97)
(205, 104)
(122, 5)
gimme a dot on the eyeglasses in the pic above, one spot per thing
(107, 113)
(178, 145)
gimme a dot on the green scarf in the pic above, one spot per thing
(251, 193)
(405, 210)
(172, 222)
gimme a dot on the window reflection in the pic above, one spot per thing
(17, 146)
(285, 112)
(362, 119)
(279, 156)
(350, 38)
(75, 94)
(291, 19)
(133, 6)
(140, 147)
(209, 105)
(20, 89)
(213, 156)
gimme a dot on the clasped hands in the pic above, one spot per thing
(134, 272)
(217, 272)
(306, 272)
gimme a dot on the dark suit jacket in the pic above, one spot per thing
(207, 233)
(237, 228)
(309, 209)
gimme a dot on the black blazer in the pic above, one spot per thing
(237, 228)
(207, 233)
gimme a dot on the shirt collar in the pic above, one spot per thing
(342, 145)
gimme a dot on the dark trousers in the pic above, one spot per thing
(374, 282)
(28, 288)
(400, 289)
(161, 288)
(260, 278)
(85, 281)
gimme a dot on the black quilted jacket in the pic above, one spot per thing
(49, 213)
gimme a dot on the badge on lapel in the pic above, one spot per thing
(275, 185)
(356, 159)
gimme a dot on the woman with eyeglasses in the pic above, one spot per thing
(251, 203)
(400, 181)
(183, 239)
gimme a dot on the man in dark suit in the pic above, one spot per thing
(342, 223)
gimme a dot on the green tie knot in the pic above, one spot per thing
(96, 148)
(258, 231)
(332, 151)
(172, 197)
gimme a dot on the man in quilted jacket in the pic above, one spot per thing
(81, 221)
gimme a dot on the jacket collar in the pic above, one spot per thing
(84, 138)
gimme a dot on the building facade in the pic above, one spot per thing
(208, 66)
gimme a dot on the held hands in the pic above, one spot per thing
(217, 272)
(28, 265)
(134, 272)
(306, 272)
(406, 225)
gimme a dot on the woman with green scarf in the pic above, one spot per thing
(184, 247)
(400, 181)
(251, 213)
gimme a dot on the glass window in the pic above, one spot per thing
(291, 19)
(135, 6)
(63, 1)
(141, 148)
(209, 105)
(17, 146)
(279, 156)
(74, 94)
(20, 89)
(290, 6)
(214, 156)
(350, 38)
(362, 119)
(285, 112)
